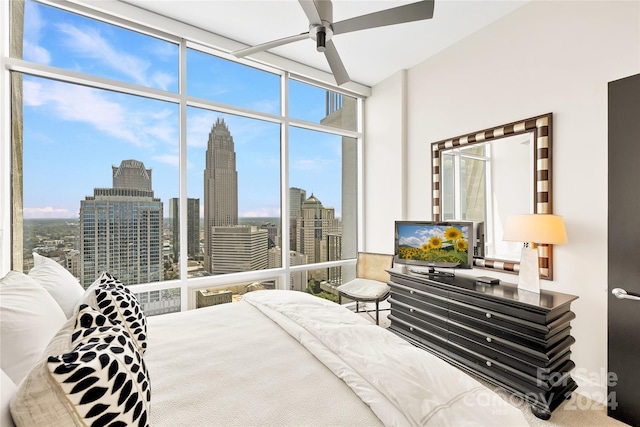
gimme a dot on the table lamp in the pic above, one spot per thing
(533, 229)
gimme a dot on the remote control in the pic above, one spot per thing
(488, 280)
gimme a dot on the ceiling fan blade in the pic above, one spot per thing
(396, 15)
(311, 11)
(335, 63)
(269, 45)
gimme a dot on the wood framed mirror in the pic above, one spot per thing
(537, 191)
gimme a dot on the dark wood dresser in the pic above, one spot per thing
(515, 339)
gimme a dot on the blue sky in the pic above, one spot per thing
(74, 134)
(417, 235)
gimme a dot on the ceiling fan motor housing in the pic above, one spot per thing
(321, 33)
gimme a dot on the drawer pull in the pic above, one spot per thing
(488, 315)
(411, 328)
(489, 339)
(411, 310)
(412, 292)
(488, 363)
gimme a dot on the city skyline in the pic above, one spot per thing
(107, 126)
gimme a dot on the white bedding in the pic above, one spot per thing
(267, 360)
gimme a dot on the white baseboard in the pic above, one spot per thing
(589, 387)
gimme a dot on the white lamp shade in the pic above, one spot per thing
(535, 228)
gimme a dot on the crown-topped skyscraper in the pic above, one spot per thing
(220, 185)
(121, 228)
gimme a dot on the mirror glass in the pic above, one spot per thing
(481, 183)
(488, 175)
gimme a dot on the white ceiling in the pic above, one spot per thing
(369, 56)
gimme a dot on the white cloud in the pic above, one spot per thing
(198, 128)
(168, 159)
(86, 105)
(48, 212)
(161, 80)
(89, 43)
(268, 106)
(35, 53)
(143, 127)
(260, 212)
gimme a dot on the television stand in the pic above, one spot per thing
(492, 332)
(432, 272)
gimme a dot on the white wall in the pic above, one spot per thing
(544, 57)
(384, 159)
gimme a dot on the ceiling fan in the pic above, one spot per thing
(322, 29)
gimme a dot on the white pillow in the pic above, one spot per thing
(29, 318)
(7, 390)
(61, 284)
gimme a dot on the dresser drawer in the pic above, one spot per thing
(537, 316)
(502, 330)
(518, 358)
(419, 302)
(410, 284)
(500, 322)
(516, 346)
(524, 381)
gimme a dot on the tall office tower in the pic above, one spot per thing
(342, 112)
(272, 230)
(297, 196)
(274, 259)
(334, 248)
(314, 224)
(238, 248)
(72, 262)
(121, 228)
(220, 186)
(298, 279)
(193, 226)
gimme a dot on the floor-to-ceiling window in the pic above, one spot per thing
(152, 157)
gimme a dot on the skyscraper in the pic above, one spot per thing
(121, 228)
(238, 248)
(220, 186)
(297, 196)
(314, 225)
(274, 238)
(193, 227)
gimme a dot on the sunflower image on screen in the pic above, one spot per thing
(436, 244)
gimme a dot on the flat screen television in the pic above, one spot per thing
(426, 246)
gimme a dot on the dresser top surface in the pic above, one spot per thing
(506, 291)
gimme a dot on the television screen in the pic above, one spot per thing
(434, 244)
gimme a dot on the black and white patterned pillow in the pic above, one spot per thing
(111, 298)
(101, 383)
(106, 383)
(92, 326)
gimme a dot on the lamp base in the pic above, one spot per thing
(529, 276)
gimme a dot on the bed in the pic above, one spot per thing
(277, 358)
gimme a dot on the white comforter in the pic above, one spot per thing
(231, 365)
(402, 384)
